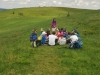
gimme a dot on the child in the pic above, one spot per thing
(62, 40)
(43, 37)
(33, 38)
(54, 24)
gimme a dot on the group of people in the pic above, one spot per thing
(58, 36)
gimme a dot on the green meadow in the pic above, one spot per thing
(18, 57)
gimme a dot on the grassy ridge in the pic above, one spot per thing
(17, 57)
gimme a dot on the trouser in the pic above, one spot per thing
(36, 43)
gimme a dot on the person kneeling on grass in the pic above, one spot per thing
(73, 39)
(52, 39)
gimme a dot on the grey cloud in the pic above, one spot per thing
(90, 4)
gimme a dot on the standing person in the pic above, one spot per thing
(52, 39)
(54, 24)
(33, 38)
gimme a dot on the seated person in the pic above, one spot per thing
(43, 37)
(62, 40)
(52, 39)
(68, 36)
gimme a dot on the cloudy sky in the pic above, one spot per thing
(85, 4)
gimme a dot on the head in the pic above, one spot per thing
(35, 31)
(48, 32)
(54, 19)
(64, 29)
(53, 32)
(73, 33)
(69, 33)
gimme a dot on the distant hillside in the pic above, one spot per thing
(2, 9)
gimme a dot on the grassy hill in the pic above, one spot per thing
(17, 57)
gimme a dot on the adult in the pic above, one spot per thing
(54, 24)
(52, 39)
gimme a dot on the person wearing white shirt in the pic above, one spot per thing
(52, 39)
(62, 40)
(73, 39)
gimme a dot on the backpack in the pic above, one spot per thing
(33, 37)
(77, 44)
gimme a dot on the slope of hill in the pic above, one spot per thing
(17, 57)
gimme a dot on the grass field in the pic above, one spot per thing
(17, 57)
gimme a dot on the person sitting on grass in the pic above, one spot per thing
(68, 36)
(43, 38)
(58, 34)
(47, 35)
(52, 39)
(62, 40)
(65, 33)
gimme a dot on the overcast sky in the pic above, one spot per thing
(86, 4)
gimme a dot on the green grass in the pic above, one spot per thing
(17, 57)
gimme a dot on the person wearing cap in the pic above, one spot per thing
(43, 37)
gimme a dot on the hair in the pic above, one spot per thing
(48, 32)
(73, 33)
(53, 32)
(53, 20)
(69, 33)
(64, 29)
(35, 30)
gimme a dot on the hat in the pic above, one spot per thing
(41, 29)
(43, 33)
